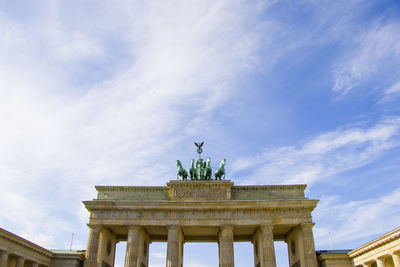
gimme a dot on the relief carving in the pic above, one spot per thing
(199, 193)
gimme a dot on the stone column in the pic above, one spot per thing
(20, 262)
(3, 258)
(92, 247)
(219, 254)
(255, 249)
(226, 246)
(175, 247)
(137, 248)
(147, 252)
(132, 247)
(267, 255)
(380, 262)
(310, 258)
(396, 260)
(35, 264)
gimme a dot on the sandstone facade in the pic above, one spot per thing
(196, 211)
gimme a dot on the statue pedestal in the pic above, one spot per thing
(200, 190)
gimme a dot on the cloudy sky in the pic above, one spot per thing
(113, 92)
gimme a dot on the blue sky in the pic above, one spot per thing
(113, 92)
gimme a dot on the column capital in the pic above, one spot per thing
(135, 226)
(95, 226)
(3, 252)
(307, 225)
(3, 257)
(174, 226)
(226, 226)
(269, 226)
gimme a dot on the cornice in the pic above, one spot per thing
(201, 205)
(25, 243)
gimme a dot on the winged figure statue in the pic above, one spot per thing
(199, 145)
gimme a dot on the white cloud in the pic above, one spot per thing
(109, 99)
(62, 134)
(35, 220)
(391, 94)
(356, 219)
(375, 49)
(158, 255)
(395, 88)
(323, 155)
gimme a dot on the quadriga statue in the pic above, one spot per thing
(221, 170)
(181, 171)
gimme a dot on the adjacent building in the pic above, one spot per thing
(16, 251)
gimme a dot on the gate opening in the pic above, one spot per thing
(199, 254)
(243, 254)
(120, 250)
(157, 254)
(281, 254)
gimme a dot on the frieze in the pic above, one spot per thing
(237, 214)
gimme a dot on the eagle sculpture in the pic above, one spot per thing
(199, 145)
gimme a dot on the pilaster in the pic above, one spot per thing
(226, 246)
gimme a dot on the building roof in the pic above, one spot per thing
(333, 251)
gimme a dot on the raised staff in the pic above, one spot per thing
(199, 149)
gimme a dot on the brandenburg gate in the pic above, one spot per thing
(200, 210)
